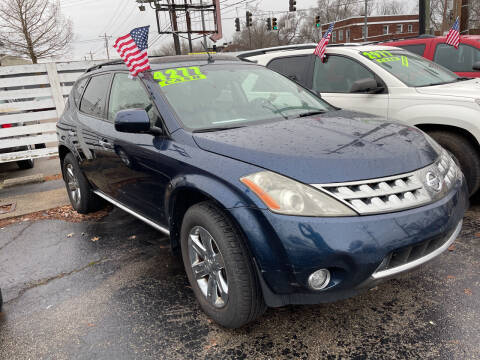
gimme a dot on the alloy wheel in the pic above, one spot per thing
(73, 185)
(208, 266)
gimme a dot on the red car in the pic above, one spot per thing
(465, 61)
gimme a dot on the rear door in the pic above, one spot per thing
(334, 79)
(93, 130)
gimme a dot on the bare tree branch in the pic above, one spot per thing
(34, 28)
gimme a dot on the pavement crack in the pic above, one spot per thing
(45, 281)
(20, 233)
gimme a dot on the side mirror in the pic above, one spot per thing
(476, 66)
(367, 85)
(132, 121)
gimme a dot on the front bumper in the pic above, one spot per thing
(357, 250)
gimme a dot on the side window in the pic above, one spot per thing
(129, 93)
(77, 90)
(338, 74)
(94, 97)
(292, 67)
(418, 49)
(460, 60)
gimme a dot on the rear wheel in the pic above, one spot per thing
(82, 198)
(219, 267)
(465, 153)
(26, 164)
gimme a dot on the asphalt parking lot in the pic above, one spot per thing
(109, 288)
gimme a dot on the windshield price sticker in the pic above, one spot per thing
(178, 75)
(382, 56)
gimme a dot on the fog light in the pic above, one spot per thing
(319, 279)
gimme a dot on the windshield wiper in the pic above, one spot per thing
(311, 113)
(218, 128)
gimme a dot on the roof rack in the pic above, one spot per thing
(99, 66)
(275, 48)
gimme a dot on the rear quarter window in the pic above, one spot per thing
(77, 90)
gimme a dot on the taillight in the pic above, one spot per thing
(6, 126)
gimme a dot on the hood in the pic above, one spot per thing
(337, 146)
(462, 89)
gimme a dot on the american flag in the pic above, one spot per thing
(322, 45)
(453, 37)
(132, 48)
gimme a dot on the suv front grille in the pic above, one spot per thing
(396, 193)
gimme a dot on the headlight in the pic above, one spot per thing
(286, 196)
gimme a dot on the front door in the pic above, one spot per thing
(140, 177)
(334, 79)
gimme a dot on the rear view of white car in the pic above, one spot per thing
(394, 84)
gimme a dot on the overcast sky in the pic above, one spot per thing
(94, 18)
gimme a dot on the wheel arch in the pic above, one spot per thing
(428, 127)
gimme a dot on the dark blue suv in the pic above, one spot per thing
(271, 195)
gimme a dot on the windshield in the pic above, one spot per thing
(218, 96)
(411, 69)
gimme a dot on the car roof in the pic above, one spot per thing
(425, 39)
(162, 62)
(340, 48)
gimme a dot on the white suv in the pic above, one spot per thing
(392, 83)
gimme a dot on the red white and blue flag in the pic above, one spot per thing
(132, 48)
(322, 45)
(453, 36)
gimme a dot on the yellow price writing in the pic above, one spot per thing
(178, 75)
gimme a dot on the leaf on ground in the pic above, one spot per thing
(477, 235)
(211, 343)
(450, 277)
(70, 235)
(451, 247)
(133, 237)
(468, 291)
(90, 324)
(95, 238)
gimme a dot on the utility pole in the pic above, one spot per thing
(422, 16)
(189, 27)
(91, 55)
(173, 17)
(106, 44)
(464, 17)
(444, 20)
(365, 26)
(203, 26)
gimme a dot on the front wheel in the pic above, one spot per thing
(465, 153)
(219, 267)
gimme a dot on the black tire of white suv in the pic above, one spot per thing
(466, 154)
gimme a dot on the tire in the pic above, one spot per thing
(466, 154)
(243, 301)
(26, 164)
(80, 193)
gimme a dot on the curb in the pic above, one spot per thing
(30, 179)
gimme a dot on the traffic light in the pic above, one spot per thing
(269, 24)
(293, 5)
(237, 24)
(317, 21)
(274, 24)
(249, 19)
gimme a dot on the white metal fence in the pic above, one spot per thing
(32, 97)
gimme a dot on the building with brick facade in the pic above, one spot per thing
(380, 28)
